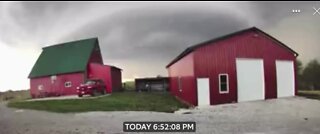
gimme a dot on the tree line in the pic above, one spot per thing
(308, 77)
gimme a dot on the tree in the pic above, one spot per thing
(301, 82)
(299, 67)
(311, 75)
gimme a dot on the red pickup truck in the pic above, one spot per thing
(92, 87)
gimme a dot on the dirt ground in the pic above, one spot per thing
(285, 116)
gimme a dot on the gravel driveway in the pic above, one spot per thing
(288, 115)
(68, 97)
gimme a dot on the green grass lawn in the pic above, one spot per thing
(122, 101)
(315, 94)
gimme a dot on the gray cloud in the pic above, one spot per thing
(155, 36)
(297, 30)
(271, 13)
(143, 37)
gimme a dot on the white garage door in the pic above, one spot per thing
(285, 78)
(203, 91)
(250, 78)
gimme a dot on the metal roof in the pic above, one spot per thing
(194, 47)
(64, 58)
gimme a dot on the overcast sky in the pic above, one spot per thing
(141, 37)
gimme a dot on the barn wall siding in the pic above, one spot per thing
(96, 55)
(219, 57)
(116, 79)
(98, 71)
(184, 69)
(295, 77)
(56, 88)
(212, 60)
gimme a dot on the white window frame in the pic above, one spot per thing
(68, 84)
(179, 84)
(227, 83)
(53, 78)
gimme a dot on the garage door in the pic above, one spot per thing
(250, 78)
(285, 78)
(203, 89)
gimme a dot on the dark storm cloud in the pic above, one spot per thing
(297, 30)
(142, 41)
(143, 37)
(30, 18)
(157, 33)
(44, 23)
(273, 12)
(130, 34)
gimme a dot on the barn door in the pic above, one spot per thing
(250, 79)
(203, 89)
(285, 78)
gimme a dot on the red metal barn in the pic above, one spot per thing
(61, 68)
(109, 74)
(243, 66)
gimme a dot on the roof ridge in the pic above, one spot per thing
(69, 58)
(193, 47)
(64, 43)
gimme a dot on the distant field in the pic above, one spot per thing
(14, 95)
(121, 101)
(315, 94)
(129, 86)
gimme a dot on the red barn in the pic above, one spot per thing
(61, 68)
(243, 66)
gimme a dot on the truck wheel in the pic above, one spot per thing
(103, 91)
(94, 93)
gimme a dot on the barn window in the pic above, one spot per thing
(68, 84)
(223, 83)
(179, 84)
(53, 78)
(40, 87)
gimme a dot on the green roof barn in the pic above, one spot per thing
(61, 68)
